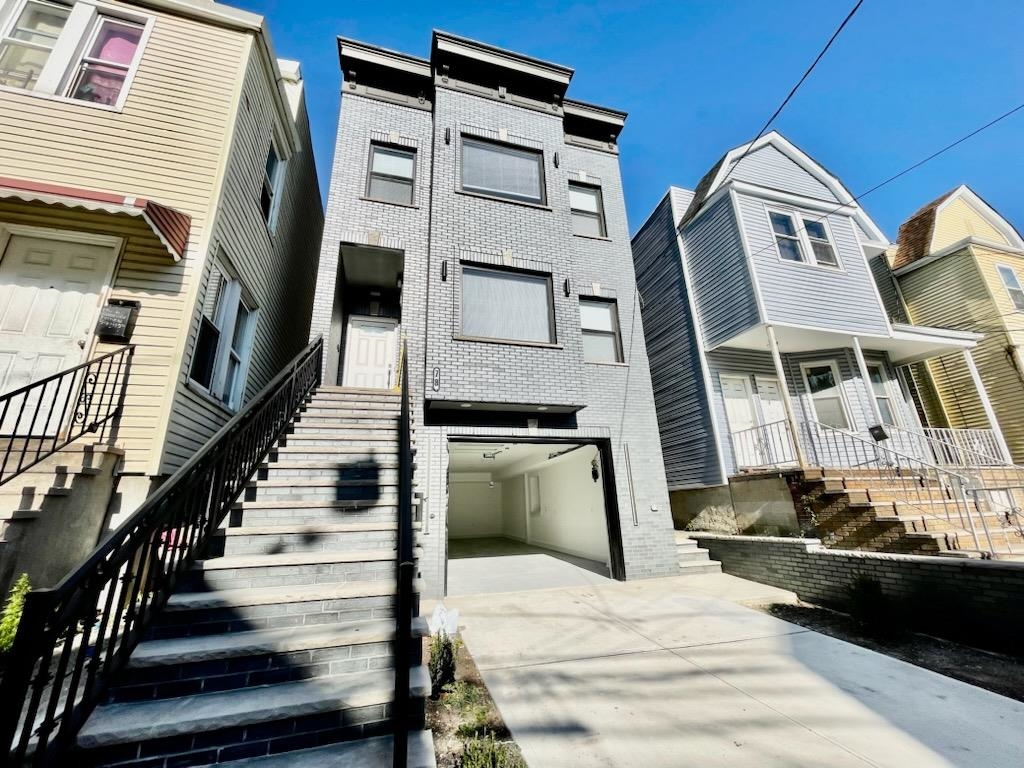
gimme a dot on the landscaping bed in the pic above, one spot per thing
(995, 672)
(468, 729)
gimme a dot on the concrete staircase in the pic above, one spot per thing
(277, 649)
(693, 559)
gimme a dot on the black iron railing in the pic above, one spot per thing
(74, 637)
(39, 419)
(406, 571)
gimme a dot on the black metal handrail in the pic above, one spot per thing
(74, 637)
(406, 570)
(41, 418)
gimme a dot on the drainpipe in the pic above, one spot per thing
(865, 377)
(987, 405)
(780, 372)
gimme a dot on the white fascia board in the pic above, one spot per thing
(214, 13)
(984, 210)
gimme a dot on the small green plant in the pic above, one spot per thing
(488, 753)
(11, 616)
(442, 663)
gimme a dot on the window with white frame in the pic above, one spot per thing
(599, 319)
(221, 356)
(803, 239)
(823, 385)
(500, 170)
(507, 304)
(880, 388)
(392, 174)
(587, 208)
(273, 180)
(75, 50)
(1012, 284)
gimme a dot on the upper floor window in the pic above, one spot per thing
(273, 180)
(501, 170)
(507, 304)
(1013, 287)
(75, 51)
(587, 207)
(803, 239)
(392, 174)
(602, 342)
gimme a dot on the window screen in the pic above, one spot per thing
(600, 323)
(392, 174)
(501, 304)
(495, 169)
(587, 208)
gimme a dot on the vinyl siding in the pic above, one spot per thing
(683, 408)
(885, 282)
(957, 220)
(723, 291)
(768, 167)
(839, 300)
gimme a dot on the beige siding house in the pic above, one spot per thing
(959, 264)
(154, 154)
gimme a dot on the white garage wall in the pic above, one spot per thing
(474, 509)
(513, 507)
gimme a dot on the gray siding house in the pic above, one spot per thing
(476, 216)
(769, 344)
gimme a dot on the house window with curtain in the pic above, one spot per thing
(602, 342)
(1013, 287)
(507, 305)
(392, 174)
(72, 50)
(587, 207)
(500, 170)
(823, 384)
(882, 393)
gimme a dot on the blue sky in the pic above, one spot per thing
(904, 79)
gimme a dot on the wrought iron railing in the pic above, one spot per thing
(74, 637)
(764, 446)
(406, 571)
(41, 418)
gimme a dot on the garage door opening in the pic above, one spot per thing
(527, 516)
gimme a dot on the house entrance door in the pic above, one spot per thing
(740, 413)
(371, 346)
(776, 442)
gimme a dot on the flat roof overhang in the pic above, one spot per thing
(907, 343)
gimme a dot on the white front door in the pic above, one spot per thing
(49, 299)
(371, 345)
(739, 412)
(777, 443)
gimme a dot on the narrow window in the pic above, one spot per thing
(102, 69)
(602, 342)
(880, 388)
(502, 171)
(823, 384)
(504, 304)
(1009, 278)
(786, 236)
(204, 357)
(392, 174)
(273, 176)
(821, 246)
(587, 207)
(27, 46)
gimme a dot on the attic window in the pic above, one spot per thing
(786, 237)
(803, 238)
(1012, 285)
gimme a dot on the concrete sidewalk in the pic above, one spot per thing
(675, 672)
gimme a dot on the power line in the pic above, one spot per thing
(796, 87)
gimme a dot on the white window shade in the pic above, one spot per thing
(502, 171)
(599, 321)
(392, 162)
(587, 210)
(583, 199)
(506, 305)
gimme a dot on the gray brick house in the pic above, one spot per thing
(477, 214)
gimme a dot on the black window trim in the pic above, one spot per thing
(370, 173)
(600, 208)
(501, 269)
(616, 334)
(539, 153)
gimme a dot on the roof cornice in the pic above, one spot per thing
(372, 54)
(472, 49)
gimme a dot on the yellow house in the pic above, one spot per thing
(157, 189)
(959, 264)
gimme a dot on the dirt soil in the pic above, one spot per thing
(465, 710)
(992, 671)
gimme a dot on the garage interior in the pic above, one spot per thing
(525, 516)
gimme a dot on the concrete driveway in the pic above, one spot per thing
(676, 672)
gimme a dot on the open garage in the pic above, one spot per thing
(528, 516)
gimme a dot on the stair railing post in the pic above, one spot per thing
(16, 690)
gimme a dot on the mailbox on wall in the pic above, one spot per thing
(117, 321)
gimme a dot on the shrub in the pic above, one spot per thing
(714, 520)
(11, 616)
(873, 609)
(488, 753)
(442, 663)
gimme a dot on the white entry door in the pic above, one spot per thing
(49, 299)
(740, 413)
(371, 347)
(777, 443)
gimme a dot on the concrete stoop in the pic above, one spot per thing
(692, 559)
(277, 648)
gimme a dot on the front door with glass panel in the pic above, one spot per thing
(742, 418)
(371, 346)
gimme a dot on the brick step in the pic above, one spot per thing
(379, 441)
(859, 484)
(696, 555)
(242, 610)
(316, 491)
(217, 727)
(322, 537)
(364, 753)
(160, 669)
(339, 451)
(691, 568)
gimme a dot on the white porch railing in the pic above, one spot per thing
(765, 446)
(954, 447)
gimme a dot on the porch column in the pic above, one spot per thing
(780, 372)
(987, 405)
(865, 376)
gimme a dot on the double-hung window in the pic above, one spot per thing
(1012, 284)
(273, 180)
(602, 342)
(224, 343)
(507, 304)
(392, 174)
(72, 50)
(803, 239)
(501, 170)
(587, 208)
(882, 393)
(823, 384)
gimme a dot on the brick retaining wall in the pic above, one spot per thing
(976, 601)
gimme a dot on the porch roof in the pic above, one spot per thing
(906, 344)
